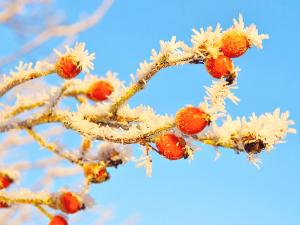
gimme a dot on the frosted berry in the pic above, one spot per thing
(219, 67)
(58, 220)
(96, 172)
(234, 43)
(68, 67)
(69, 203)
(170, 146)
(191, 120)
(100, 90)
(5, 181)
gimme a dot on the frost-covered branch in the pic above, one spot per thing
(171, 54)
(24, 73)
(103, 113)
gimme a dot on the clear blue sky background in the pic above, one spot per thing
(230, 191)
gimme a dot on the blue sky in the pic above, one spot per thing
(230, 191)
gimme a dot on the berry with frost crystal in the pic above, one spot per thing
(5, 181)
(219, 67)
(234, 44)
(68, 67)
(170, 146)
(96, 172)
(58, 220)
(69, 203)
(100, 90)
(191, 120)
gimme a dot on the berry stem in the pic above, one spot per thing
(30, 201)
(213, 142)
(44, 211)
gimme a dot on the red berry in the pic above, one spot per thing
(67, 67)
(5, 181)
(219, 67)
(191, 120)
(100, 90)
(3, 205)
(69, 203)
(234, 43)
(170, 146)
(58, 220)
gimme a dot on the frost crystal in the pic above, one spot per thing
(207, 41)
(214, 101)
(114, 153)
(250, 31)
(146, 162)
(169, 51)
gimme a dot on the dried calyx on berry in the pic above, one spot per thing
(231, 78)
(113, 155)
(255, 146)
(252, 145)
(96, 172)
(112, 158)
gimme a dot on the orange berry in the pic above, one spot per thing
(67, 67)
(219, 67)
(191, 120)
(170, 146)
(234, 43)
(69, 203)
(100, 90)
(96, 172)
(5, 181)
(58, 220)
